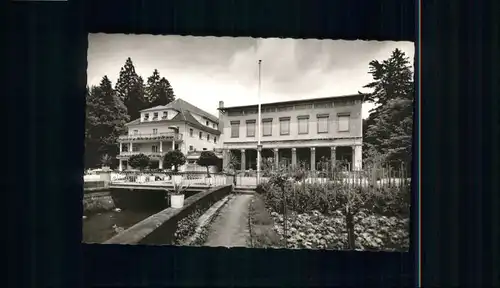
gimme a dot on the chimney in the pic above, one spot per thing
(221, 104)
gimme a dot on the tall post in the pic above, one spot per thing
(259, 132)
(333, 156)
(313, 159)
(294, 158)
(243, 160)
(276, 158)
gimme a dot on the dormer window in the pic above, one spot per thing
(146, 116)
(155, 116)
(213, 125)
(206, 123)
(208, 137)
(165, 114)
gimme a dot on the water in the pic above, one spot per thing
(99, 227)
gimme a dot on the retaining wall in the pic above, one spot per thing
(160, 228)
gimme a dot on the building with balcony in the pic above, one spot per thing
(295, 132)
(177, 125)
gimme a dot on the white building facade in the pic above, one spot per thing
(178, 125)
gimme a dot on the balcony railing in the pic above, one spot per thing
(149, 154)
(157, 136)
(196, 152)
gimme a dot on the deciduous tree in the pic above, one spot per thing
(174, 158)
(106, 116)
(207, 159)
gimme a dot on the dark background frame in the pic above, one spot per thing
(459, 139)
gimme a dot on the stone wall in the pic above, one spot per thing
(159, 228)
(98, 201)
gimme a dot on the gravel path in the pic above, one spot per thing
(230, 228)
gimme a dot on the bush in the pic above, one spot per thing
(139, 161)
(207, 159)
(174, 158)
(282, 194)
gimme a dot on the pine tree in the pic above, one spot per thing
(388, 129)
(106, 118)
(158, 90)
(130, 89)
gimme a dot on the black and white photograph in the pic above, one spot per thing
(248, 142)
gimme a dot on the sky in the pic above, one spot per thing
(206, 70)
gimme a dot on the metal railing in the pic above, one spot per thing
(149, 154)
(168, 178)
(157, 136)
(377, 177)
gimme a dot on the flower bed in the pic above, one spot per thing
(338, 215)
(315, 230)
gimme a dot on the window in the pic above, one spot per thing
(155, 116)
(190, 147)
(201, 135)
(213, 125)
(208, 137)
(124, 148)
(267, 127)
(235, 129)
(215, 139)
(343, 120)
(323, 105)
(250, 128)
(303, 122)
(155, 131)
(191, 132)
(165, 115)
(146, 116)
(136, 132)
(285, 108)
(322, 123)
(204, 149)
(285, 126)
(154, 148)
(135, 148)
(207, 123)
(303, 106)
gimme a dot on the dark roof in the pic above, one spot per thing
(179, 104)
(292, 101)
(184, 115)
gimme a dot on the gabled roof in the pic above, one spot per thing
(184, 110)
(159, 107)
(179, 104)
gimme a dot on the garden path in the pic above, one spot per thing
(230, 228)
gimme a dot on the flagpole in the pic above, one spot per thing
(259, 147)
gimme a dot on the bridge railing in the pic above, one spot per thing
(162, 177)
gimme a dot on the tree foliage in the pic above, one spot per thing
(158, 90)
(174, 158)
(207, 159)
(388, 130)
(139, 161)
(105, 120)
(131, 90)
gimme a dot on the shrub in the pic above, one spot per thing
(207, 159)
(281, 193)
(174, 158)
(139, 161)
